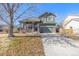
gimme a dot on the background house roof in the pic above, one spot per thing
(70, 18)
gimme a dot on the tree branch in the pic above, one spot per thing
(3, 19)
(5, 7)
(17, 7)
(13, 5)
(23, 13)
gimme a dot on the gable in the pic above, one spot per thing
(46, 14)
(48, 19)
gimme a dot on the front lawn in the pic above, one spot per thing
(22, 46)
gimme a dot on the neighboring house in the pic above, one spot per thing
(45, 23)
(72, 22)
(5, 29)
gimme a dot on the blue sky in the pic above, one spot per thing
(61, 10)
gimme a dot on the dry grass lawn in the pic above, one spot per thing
(74, 37)
(21, 46)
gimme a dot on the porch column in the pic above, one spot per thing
(26, 27)
(38, 29)
(23, 26)
(32, 27)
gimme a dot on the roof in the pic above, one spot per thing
(70, 18)
(30, 20)
(3, 25)
(36, 19)
(46, 14)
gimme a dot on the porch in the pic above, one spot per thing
(30, 26)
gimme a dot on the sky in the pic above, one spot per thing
(61, 10)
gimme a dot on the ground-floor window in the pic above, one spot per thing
(32, 28)
(29, 28)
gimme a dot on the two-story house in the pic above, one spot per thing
(45, 23)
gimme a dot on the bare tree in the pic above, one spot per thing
(9, 11)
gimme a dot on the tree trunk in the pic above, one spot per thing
(11, 25)
(11, 29)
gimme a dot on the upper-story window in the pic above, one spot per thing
(50, 18)
(47, 17)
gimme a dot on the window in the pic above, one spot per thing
(49, 18)
(30, 26)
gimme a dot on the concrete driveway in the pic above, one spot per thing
(60, 46)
